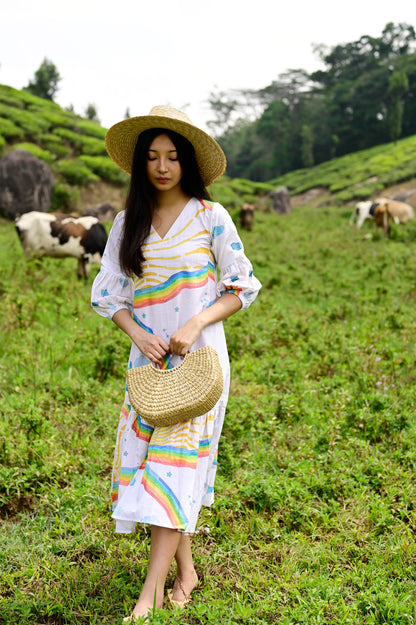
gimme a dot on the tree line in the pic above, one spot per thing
(364, 96)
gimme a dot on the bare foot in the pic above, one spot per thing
(183, 586)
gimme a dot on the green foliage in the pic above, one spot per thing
(91, 113)
(364, 96)
(232, 193)
(75, 171)
(45, 82)
(9, 130)
(64, 196)
(359, 175)
(105, 168)
(91, 146)
(34, 149)
(87, 127)
(314, 515)
(54, 144)
(57, 136)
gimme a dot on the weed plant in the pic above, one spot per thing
(314, 519)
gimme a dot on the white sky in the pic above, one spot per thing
(135, 54)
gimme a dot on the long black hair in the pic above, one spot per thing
(141, 197)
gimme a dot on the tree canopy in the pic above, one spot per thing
(365, 95)
(45, 82)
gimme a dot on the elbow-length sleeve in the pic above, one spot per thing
(112, 289)
(236, 271)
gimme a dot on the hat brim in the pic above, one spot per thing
(121, 139)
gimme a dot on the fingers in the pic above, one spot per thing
(154, 348)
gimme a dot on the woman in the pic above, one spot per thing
(158, 282)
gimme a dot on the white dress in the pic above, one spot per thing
(164, 475)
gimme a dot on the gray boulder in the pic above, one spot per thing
(26, 184)
(281, 200)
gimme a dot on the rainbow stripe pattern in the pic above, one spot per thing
(162, 293)
(173, 456)
(165, 497)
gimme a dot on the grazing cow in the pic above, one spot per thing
(385, 211)
(247, 216)
(361, 213)
(59, 236)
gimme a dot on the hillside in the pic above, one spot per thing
(84, 175)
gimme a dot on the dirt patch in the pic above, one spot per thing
(19, 503)
(311, 196)
(99, 192)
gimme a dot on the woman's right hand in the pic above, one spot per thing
(152, 346)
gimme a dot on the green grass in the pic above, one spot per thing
(314, 519)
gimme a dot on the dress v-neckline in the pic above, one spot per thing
(173, 223)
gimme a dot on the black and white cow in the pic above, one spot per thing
(59, 236)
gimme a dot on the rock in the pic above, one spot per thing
(26, 184)
(281, 201)
(103, 212)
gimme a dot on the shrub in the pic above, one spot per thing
(33, 125)
(9, 130)
(90, 128)
(92, 146)
(64, 196)
(55, 145)
(104, 167)
(34, 149)
(56, 118)
(2, 143)
(75, 172)
(71, 137)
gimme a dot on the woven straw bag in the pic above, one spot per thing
(168, 396)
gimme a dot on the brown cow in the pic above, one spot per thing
(247, 216)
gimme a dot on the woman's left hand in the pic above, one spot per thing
(183, 339)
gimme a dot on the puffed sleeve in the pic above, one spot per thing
(112, 289)
(236, 271)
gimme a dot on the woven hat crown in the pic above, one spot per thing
(169, 111)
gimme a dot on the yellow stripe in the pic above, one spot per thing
(170, 238)
(162, 258)
(200, 250)
(171, 247)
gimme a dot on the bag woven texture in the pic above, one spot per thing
(168, 396)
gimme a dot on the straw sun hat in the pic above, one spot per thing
(121, 140)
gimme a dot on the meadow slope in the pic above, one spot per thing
(314, 519)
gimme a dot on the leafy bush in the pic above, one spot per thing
(92, 146)
(56, 119)
(34, 149)
(33, 125)
(75, 171)
(90, 128)
(105, 168)
(54, 144)
(9, 130)
(64, 196)
(70, 136)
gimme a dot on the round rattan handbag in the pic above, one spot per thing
(168, 396)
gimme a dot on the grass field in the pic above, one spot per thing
(314, 519)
